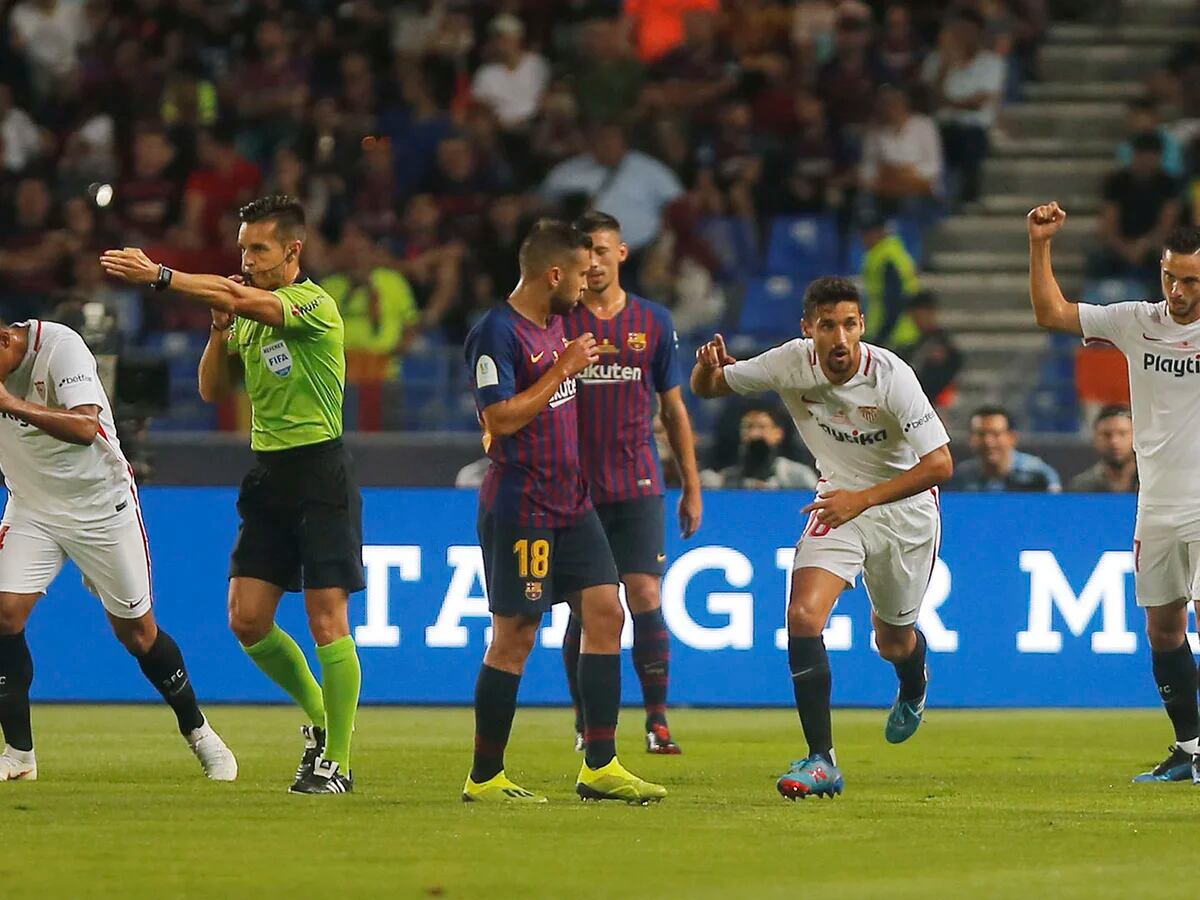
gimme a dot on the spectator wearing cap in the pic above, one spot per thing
(997, 464)
(1141, 206)
(890, 281)
(967, 83)
(902, 156)
(1115, 470)
(933, 356)
(632, 186)
(514, 82)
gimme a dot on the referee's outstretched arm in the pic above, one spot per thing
(217, 292)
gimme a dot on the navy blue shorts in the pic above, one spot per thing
(636, 531)
(529, 569)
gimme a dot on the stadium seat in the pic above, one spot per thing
(735, 242)
(1113, 290)
(1053, 405)
(187, 414)
(425, 380)
(771, 306)
(803, 247)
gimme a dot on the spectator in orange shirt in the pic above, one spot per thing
(658, 24)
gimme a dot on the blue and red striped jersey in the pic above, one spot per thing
(535, 477)
(638, 359)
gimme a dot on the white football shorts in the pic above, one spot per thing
(894, 548)
(113, 555)
(1166, 555)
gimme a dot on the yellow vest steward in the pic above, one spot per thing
(890, 250)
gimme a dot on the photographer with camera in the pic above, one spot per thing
(760, 465)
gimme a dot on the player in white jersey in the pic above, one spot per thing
(881, 451)
(71, 495)
(1161, 342)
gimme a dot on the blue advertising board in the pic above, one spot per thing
(1031, 604)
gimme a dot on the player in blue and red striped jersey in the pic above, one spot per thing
(541, 539)
(637, 369)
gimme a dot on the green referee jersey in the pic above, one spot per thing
(295, 374)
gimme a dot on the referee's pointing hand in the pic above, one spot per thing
(130, 264)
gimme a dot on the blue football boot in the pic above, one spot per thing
(815, 776)
(1176, 767)
(904, 719)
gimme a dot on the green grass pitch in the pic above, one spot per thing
(978, 804)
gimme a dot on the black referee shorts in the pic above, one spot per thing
(301, 520)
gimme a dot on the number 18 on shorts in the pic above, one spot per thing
(529, 569)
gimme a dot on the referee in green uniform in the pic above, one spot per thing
(300, 508)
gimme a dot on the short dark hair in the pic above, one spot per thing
(1143, 104)
(1184, 239)
(594, 220)
(972, 15)
(223, 131)
(923, 299)
(994, 409)
(1112, 411)
(766, 407)
(286, 212)
(826, 290)
(1147, 142)
(548, 242)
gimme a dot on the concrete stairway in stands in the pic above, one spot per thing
(1059, 143)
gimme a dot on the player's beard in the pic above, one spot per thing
(839, 363)
(561, 304)
(1186, 313)
(1114, 461)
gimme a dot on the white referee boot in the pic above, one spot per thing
(217, 759)
(17, 765)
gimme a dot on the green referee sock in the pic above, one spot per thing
(282, 660)
(341, 678)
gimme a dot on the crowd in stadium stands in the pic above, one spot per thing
(745, 146)
(1154, 185)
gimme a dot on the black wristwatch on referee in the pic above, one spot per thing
(164, 279)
